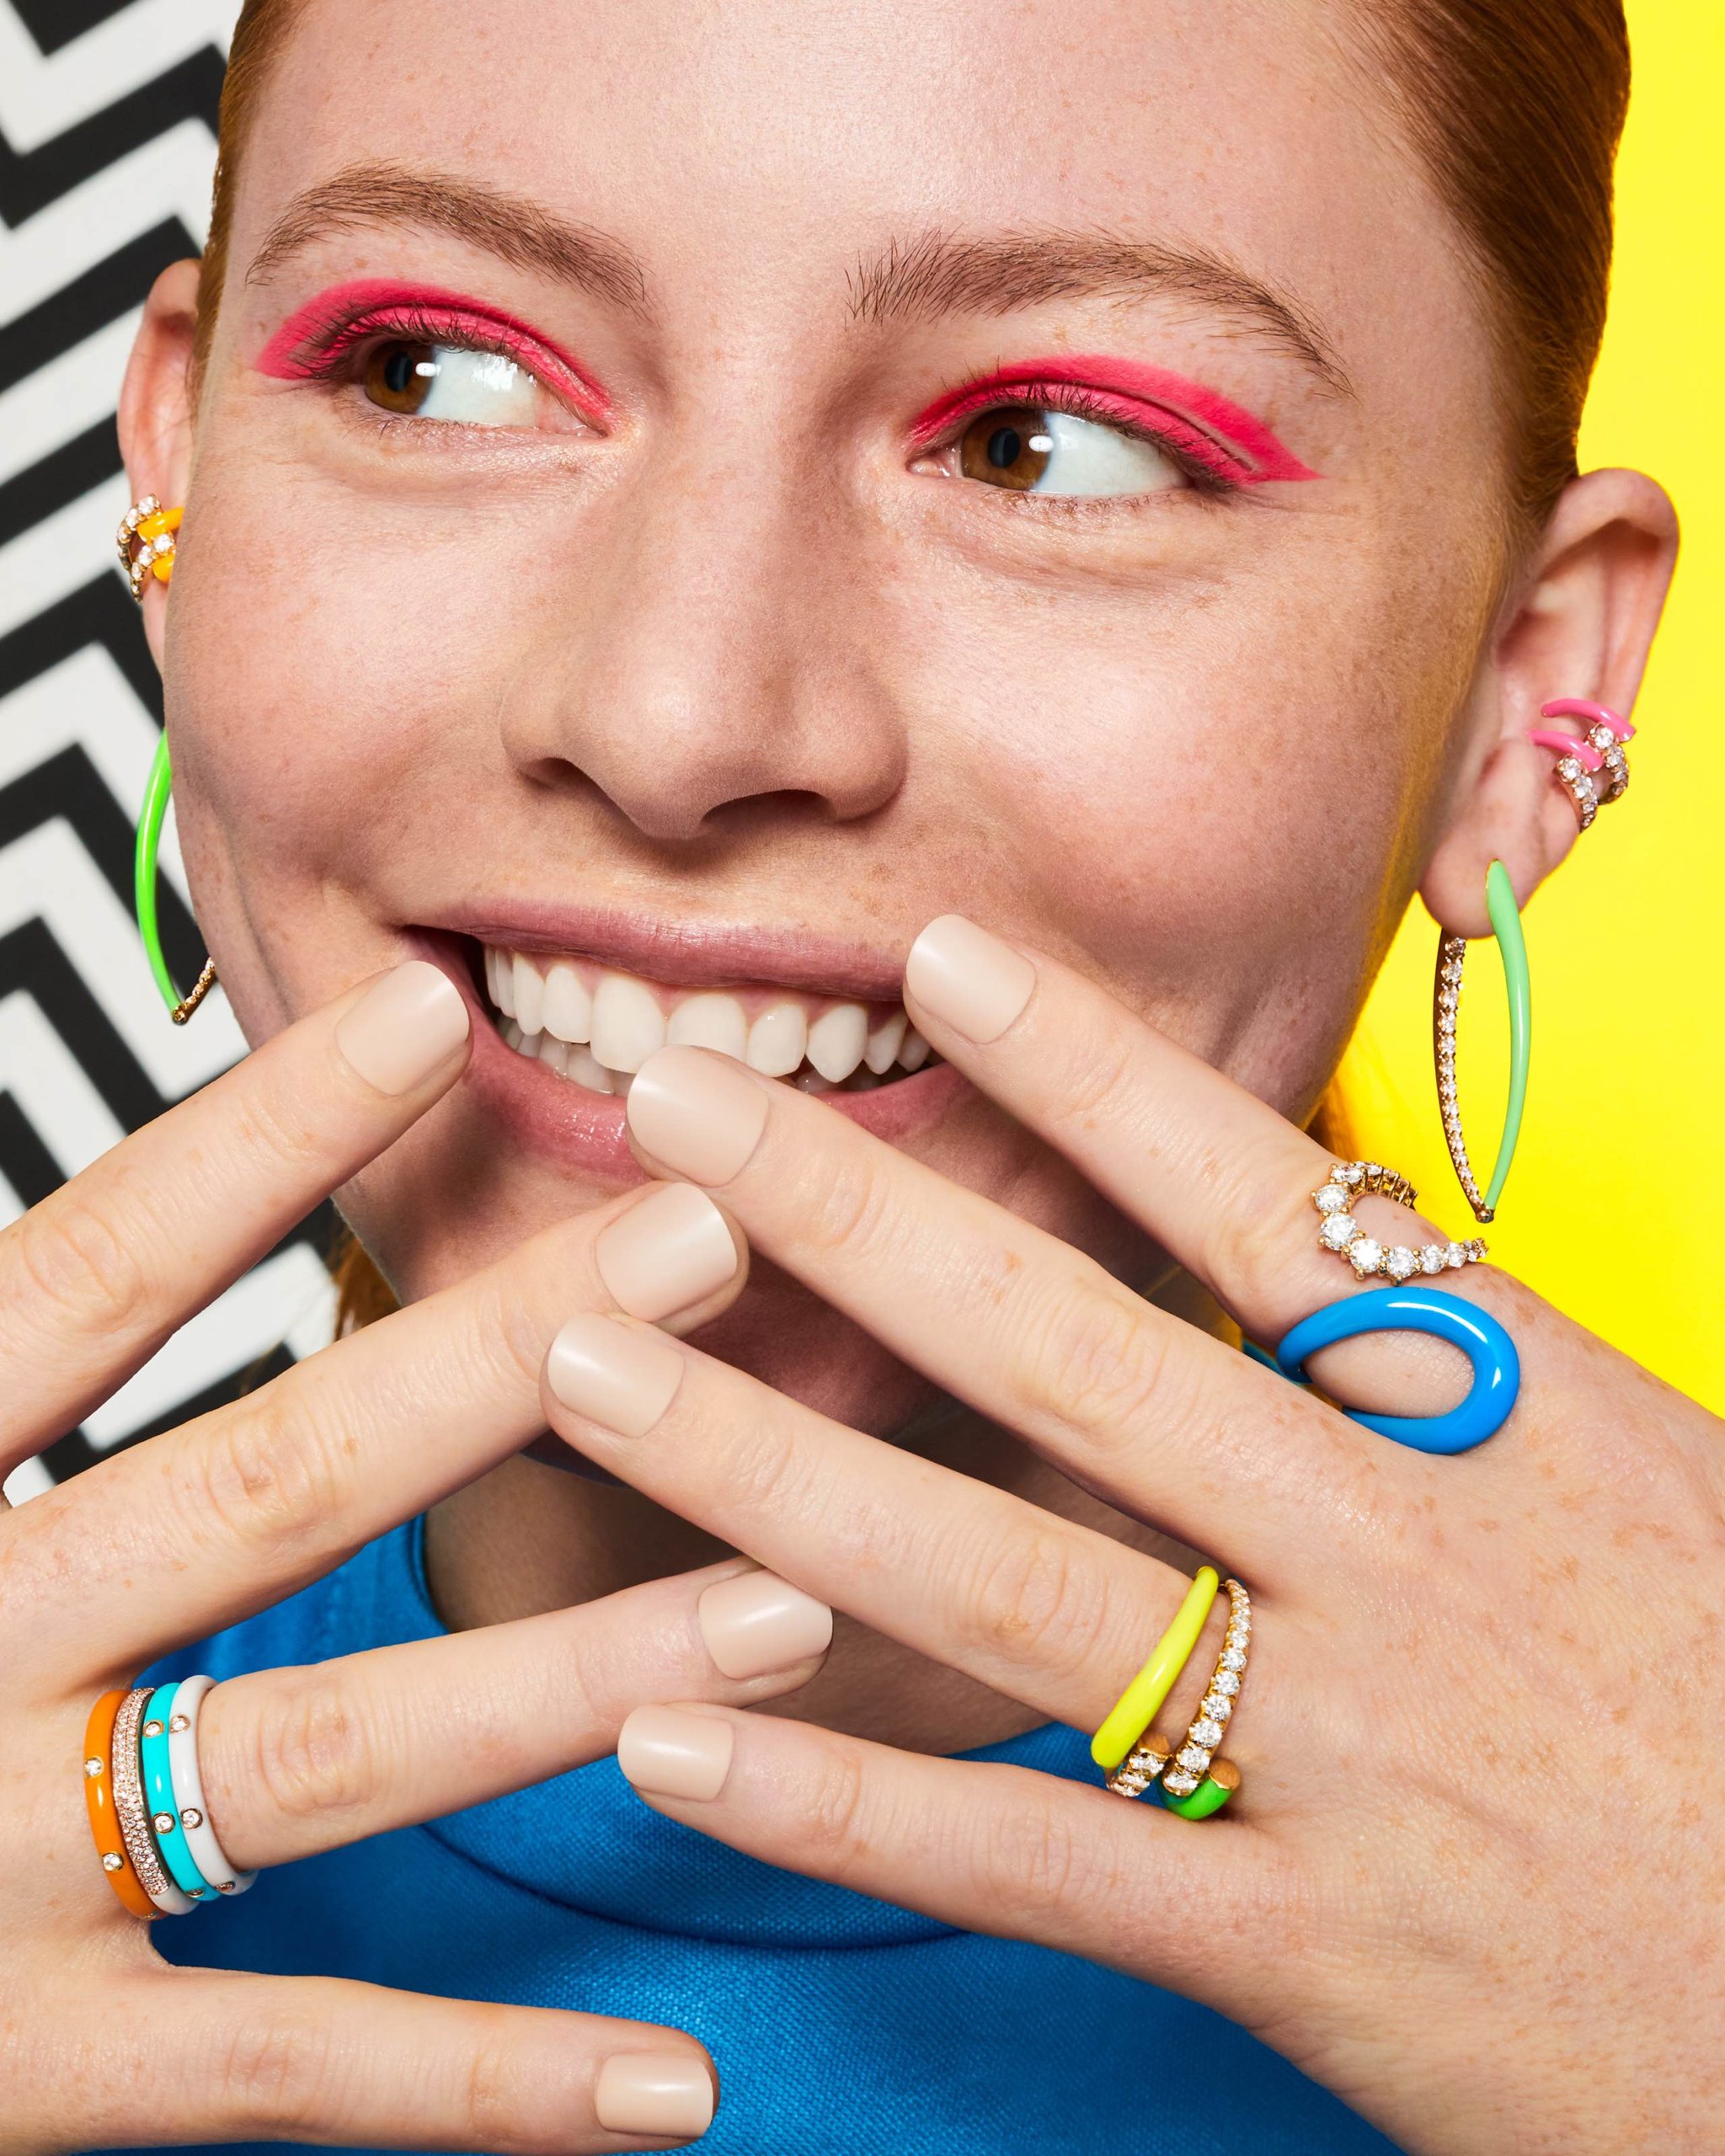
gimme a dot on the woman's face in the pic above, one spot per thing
(702, 489)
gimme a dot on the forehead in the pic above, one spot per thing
(766, 144)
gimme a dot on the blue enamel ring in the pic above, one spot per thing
(1497, 1367)
(159, 1795)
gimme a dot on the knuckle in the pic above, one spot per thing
(316, 1753)
(81, 1266)
(496, 2094)
(846, 1205)
(275, 2070)
(273, 1473)
(1030, 1858)
(835, 1818)
(1088, 1359)
(1035, 1602)
(1100, 1083)
(1276, 1220)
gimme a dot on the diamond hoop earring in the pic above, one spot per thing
(1446, 998)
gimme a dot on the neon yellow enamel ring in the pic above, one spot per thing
(1138, 1704)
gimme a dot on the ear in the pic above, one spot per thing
(1579, 623)
(156, 410)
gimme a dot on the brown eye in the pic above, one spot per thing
(398, 377)
(1007, 448)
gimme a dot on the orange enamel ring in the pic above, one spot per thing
(98, 1796)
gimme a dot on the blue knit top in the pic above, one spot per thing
(840, 2024)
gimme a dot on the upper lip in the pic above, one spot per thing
(688, 953)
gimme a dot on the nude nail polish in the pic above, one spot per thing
(404, 1026)
(668, 1751)
(654, 2092)
(623, 1379)
(756, 1622)
(700, 1114)
(667, 1253)
(967, 979)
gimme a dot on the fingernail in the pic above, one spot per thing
(654, 2092)
(404, 1026)
(667, 1253)
(668, 1752)
(756, 1623)
(618, 1378)
(700, 1114)
(967, 979)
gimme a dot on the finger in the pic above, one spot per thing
(192, 2056)
(94, 1278)
(1223, 1181)
(979, 1845)
(1048, 1612)
(176, 1539)
(1155, 1415)
(297, 1760)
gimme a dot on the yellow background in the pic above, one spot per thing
(1611, 1210)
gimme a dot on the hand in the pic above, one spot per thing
(1473, 1878)
(190, 1532)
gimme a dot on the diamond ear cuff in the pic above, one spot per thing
(1586, 763)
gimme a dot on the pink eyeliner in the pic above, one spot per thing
(304, 345)
(1211, 427)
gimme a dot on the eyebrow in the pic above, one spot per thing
(518, 232)
(941, 272)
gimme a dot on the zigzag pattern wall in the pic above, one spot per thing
(107, 144)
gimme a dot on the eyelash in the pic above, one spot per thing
(1206, 469)
(333, 353)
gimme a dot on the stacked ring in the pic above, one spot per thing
(1191, 1762)
(145, 1796)
(1138, 1706)
(158, 1796)
(105, 1820)
(200, 1842)
(134, 1818)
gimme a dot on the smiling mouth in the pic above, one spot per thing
(595, 1026)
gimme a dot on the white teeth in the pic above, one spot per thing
(600, 1035)
(586, 1071)
(530, 995)
(882, 1050)
(836, 1040)
(569, 1008)
(777, 1040)
(500, 978)
(713, 1020)
(628, 1022)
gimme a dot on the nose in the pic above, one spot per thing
(711, 658)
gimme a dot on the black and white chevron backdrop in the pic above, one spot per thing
(107, 144)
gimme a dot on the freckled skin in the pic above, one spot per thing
(1171, 701)
(739, 662)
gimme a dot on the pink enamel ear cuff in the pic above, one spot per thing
(1581, 759)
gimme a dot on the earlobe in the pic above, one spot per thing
(1578, 631)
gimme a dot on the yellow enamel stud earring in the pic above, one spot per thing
(145, 538)
(145, 542)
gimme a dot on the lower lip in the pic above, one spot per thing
(582, 1129)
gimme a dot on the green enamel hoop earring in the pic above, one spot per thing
(155, 809)
(1446, 998)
